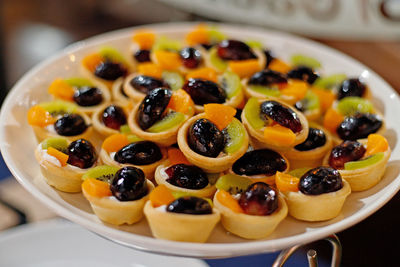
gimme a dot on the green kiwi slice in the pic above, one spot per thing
(78, 82)
(352, 104)
(234, 184)
(59, 107)
(299, 172)
(216, 36)
(354, 165)
(216, 61)
(111, 54)
(252, 113)
(255, 44)
(235, 136)
(165, 43)
(171, 120)
(267, 91)
(303, 60)
(230, 82)
(174, 79)
(330, 82)
(103, 173)
(134, 138)
(124, 129)
(58, 143)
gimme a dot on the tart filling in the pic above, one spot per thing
(109, 118)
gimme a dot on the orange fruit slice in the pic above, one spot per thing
(144, 38)
(61, 89)
(279, 135)
(96, 188)
(115, 142)
(376, 143)
(168, 60)
(332, 120)
(245, 68)
(203, 73)
(150, 69)
(286, 182)
(176, 156)
(326, 97)
(92, 61)
(296, 89)
(220, 115)
(198, 36)
(228, 201)
(38, 116)
(161, 196)
(279, 65)
(181, 101)
(62, 157)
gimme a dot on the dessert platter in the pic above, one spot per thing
(204, 140)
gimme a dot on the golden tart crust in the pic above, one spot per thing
(251, 226)
(212, 165)
(180, 227)
(314, 208)
(118, 212)
(117, 95)
(99, 125)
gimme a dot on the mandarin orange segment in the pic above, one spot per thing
(279, 135)
(150, 69)
(92, 61)
(115, 142)
(62, 157)
(296, 89)
(61, 89)
(376, 143)
(38, 116)
(286, 182)
(326, 97)
(168, 60)
(332, 120)
(279, 65)
(245, 68)
(96, 188)
(203, 73)
(161, 195)
(228, 201)
(220, 115)
(199, 35)
(144, 38)
(181, 102)
(175, 156)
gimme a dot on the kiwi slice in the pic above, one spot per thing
(111, 54)
(255, 44)
(234, 184)
(171, 120)
(330, 82)
(58, 143)
(235, 136)
(78, 82)
(215, 35)
(252, 113)
(103, 173)
(312, 100)
(267, 91)
(354, 165)
(124, 129)
(352, 104)
(299, 172)
(165, 43)
(59, 107)
(230, 82)
(303, 60)
(174, 79)
(134, 138)
(216, 61)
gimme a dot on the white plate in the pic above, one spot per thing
(63, 244)
(18, 144)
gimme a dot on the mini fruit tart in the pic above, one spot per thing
(205, 86)
(160, 115)
(213, 140)
(122, 150)
(362, 163)
(311, 152)
(179, 175)
(274, 124)
(204, 36)
(142, 42)
(260, 165)
(59, 118)
(117, 196)
(186, 219)
(109, 118)
(353, 118)
(105, 66)
(80, 91)
(63, 164)
(318, 195)
(353, 87)
(253, 214)
(118, 94)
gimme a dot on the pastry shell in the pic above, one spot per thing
(251, 226)
(314, 208)
(99, 125)
(212, 165)
(118, 96)
(118, 212)
(257, 139)
(180, 227)
(208, 191)
(130, 91)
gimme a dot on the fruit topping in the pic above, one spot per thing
(376, 143)
(153, 106)
(110, 54)
(96, 188)
(173, 79)
(353, 104)
(145, 84)
(309, 102)
(216, 61)
(234, 184)
(78, 82)
(103, 173)
(200, 35)
(139, 153)
(204, 73)
(228, 201)
(332, 119)
(113, 117)
(354, 165)
(303, 60)
(142, 55)
(259, 162)
(330, 82)
(129, 184)
(150, 69)
(181, 102)
(259, 199)
(268, 57)
(234, 50)
(88, 96)
(303, 73)
(279, 66)
(144, 38)
(190, 205)
(204, 92)
(169, 121)
(205, 138)
(325, 97)
(351, 87)
(166, 44)
(279, 135)
(70, 125)
(219, 114)
(359, 126)
(60, 156)
(81, 153)
(186, 176)
(58, 107)
(161, 196)
(267, 78)
(316, 138)
(110, 71)
(284, 116)
(58, 143)
(299, 172)
(253, 113)
(61, 89)
(320, 180)
(92, 61)
(286, 182)
(345, 152)
(175, 156)
(234, 137)
(245, 68)
(295, 89)
(231, 84)
(191, 57)
(167, 60)
(115, 142)
(38, 116)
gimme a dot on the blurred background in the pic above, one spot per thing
(368, 30)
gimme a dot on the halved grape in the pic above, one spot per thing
(234, 184)
(174, 79)
(267, 91)
(59, 107)
(171, 120)
(299, 172)
(112, 54)
(234, 137)
(216, 61)
(252, 113)
(354, 165)
(303, 60)
(353, 104)
(330, 82)
(230, 82)
(78, 82)
(58, 143)
(165, 43)
(103, 173)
